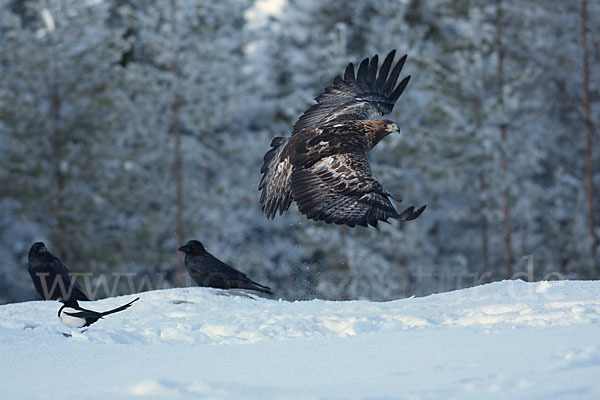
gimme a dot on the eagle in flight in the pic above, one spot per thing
(323, 165)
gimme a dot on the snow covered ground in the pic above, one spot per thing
(503, 340)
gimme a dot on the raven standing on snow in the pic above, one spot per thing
(51, 277)
(208, 271)
(74, 316)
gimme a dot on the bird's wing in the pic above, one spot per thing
(207, 270)
(363, 95)
(332, 181)
(73, 289)
(234, 278)
(211, 265)
(83, 313)
(43, 279)
(275, 183)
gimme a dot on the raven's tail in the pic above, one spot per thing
(78, 294)
(260, 288)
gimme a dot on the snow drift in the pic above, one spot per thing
(503, 340)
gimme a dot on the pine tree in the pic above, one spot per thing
(59, 120)
(201, 64)
(588, 136)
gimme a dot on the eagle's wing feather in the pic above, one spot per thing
(275, 184)
(332, 181)
(362, 96)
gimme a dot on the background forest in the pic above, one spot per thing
(130, 126)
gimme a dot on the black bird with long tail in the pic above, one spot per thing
(75, 316)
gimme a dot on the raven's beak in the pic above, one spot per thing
(183, 248)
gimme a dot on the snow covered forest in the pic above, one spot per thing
(130, 126)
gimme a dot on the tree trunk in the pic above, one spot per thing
(588, 138)
(58, 176)
(483, 188)
(484, 229)
(503, 132)
(506, 215)
(177, 164)
(484, 244)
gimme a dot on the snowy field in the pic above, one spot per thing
(506, 340)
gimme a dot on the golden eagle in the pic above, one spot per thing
(323, 166)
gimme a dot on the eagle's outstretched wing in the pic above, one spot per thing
(363, 95)
(331, 180)
(323, 166)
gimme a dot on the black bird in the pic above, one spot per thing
(51, 277)
(209, 271)
(74, 316)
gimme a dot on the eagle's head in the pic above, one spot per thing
(379, 129)
(391, 127)
(382, 128)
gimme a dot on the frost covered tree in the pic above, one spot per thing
(557, 58)
(201, 65)
(94, 94)
(60, 116)
(475, 146)
(587, 118)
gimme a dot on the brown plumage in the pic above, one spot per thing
(323, 166)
